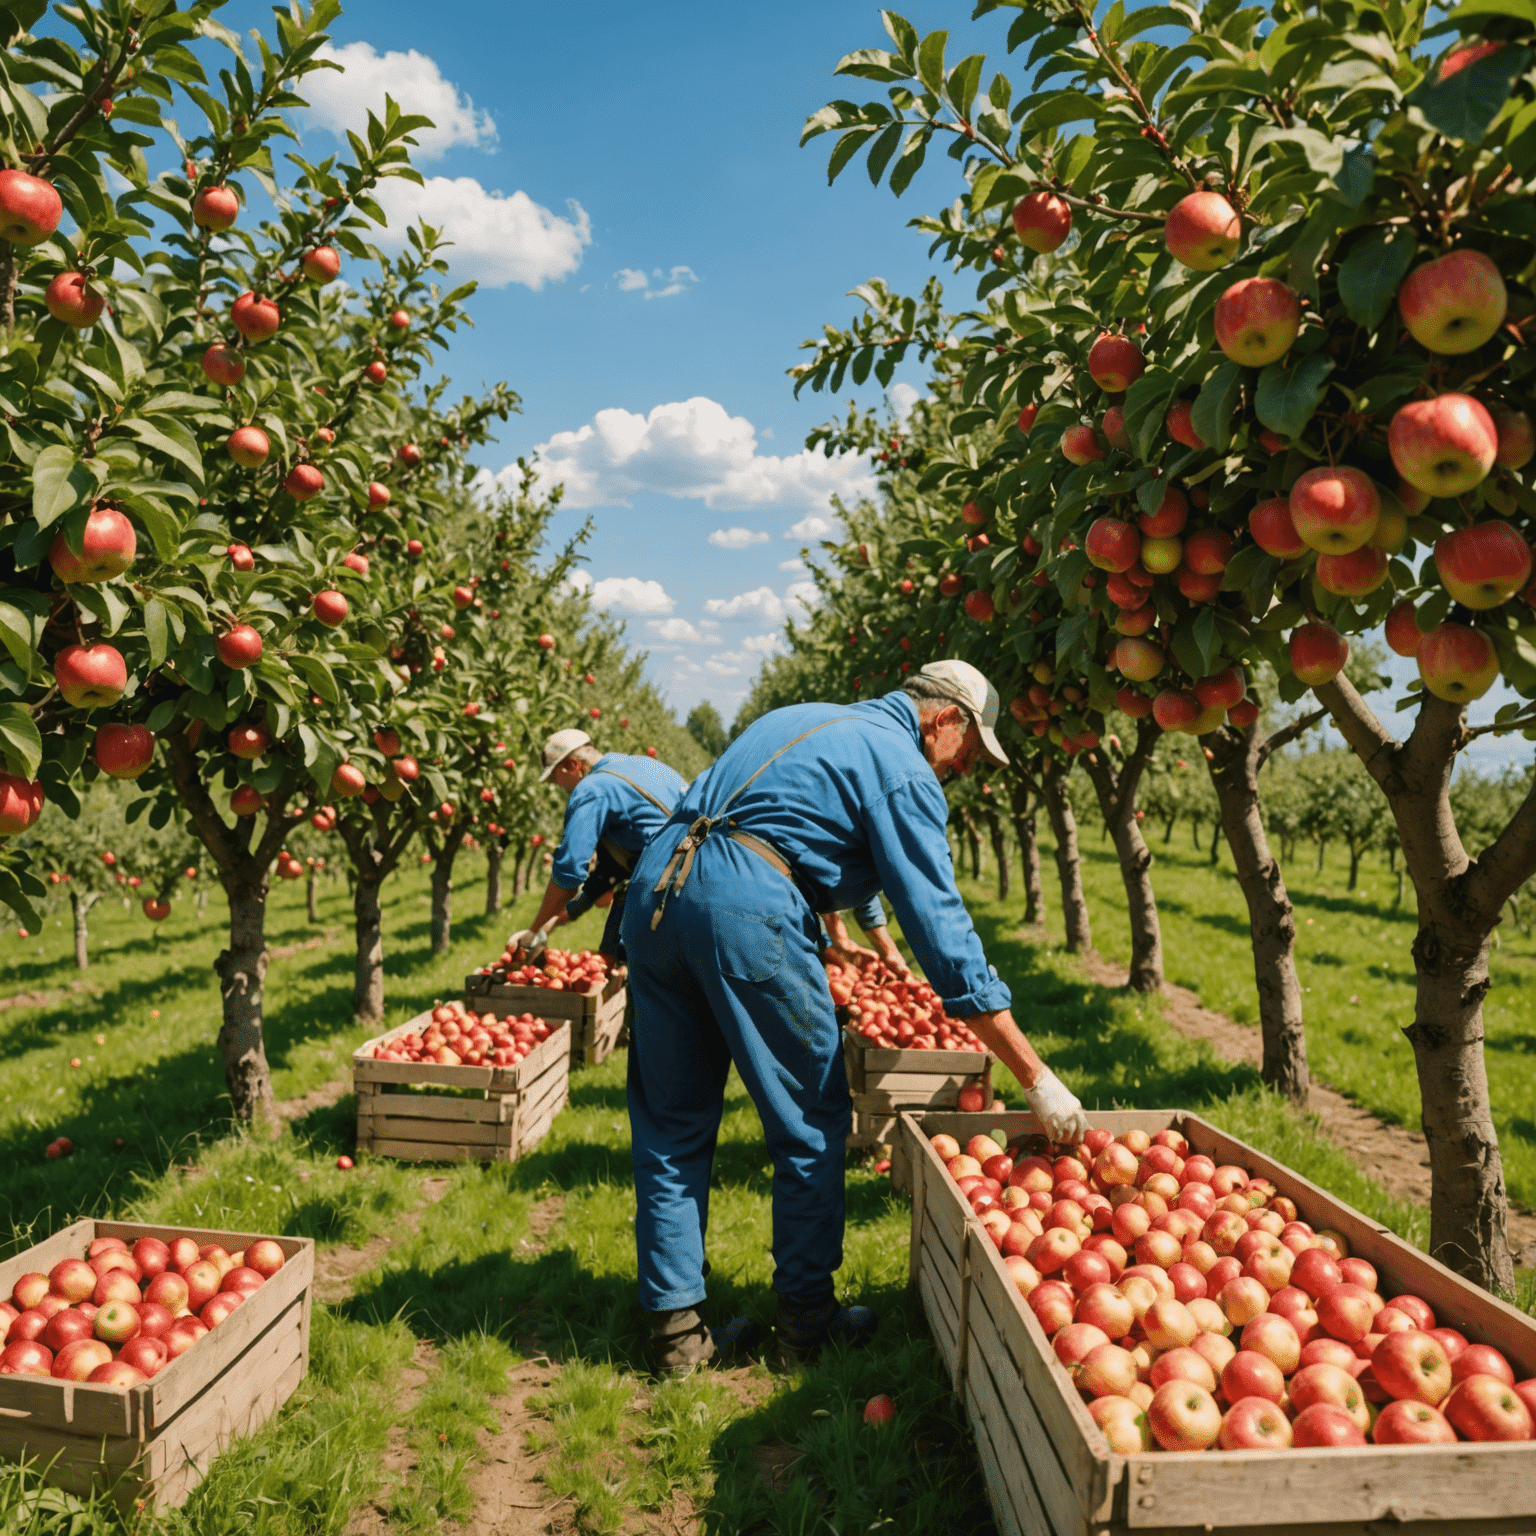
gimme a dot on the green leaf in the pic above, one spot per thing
(20, 741)
(22, 617)
(1517, 658)
(1287, 397)
(1464, 106)
(1213, 407)
(171, 438)
(911, 161)
(1146, 403)
(12, 894)
(155, 631)
(1206, 638)
(1371, 274)
(964, 80)
(60, 483)
(930, 61)
(162, 525)
(318, 675)
(1060, 107)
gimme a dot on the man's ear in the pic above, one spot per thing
(951, 714)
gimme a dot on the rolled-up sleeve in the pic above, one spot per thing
(911, 853)
(869, 914)
(585, 815)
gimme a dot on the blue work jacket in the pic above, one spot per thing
(856, 809)
(603, 806)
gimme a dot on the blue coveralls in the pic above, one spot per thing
(733, 972)
(608, 819)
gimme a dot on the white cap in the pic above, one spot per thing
(969, 689)
(561, 745)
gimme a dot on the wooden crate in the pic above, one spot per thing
(513, 1114)
(597, 1018)
(153, 1443)
(1050, 1472)
(884, 1082)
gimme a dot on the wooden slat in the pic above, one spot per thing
(1518, 1525)
(69, 1243)
(433, 1151)
(427, 1106)
(498, 1079)
(922, 1085)
(882, 1059)
(438, 1132)
(1016, 1472)
(939, 1322)
(1011, 1497)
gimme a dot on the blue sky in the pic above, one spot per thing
(625, 183)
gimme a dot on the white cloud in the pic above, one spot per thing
(629, 279)
(677, 631)
(692, 450)
(628, 594)
(766, 644)
(670, 283)
(762, 603)
(578, 581)
(903, 397)
(809, 528)
(799, 598)
(797, 566)
(414, 81)
(496, 239)
(718, 666)
(736, 538)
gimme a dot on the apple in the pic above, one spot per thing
(1106, 1307)
(1042, 221)
(1346, 1312)
(76, 1361)
(1415, 1306)
(245, 800)
(248, 446)
(400, 320)
(377, 371)
(254, 316)
(183, 1335)
(117, 1321)
(1242, 1299)
(1197, 587)
(322, 264)
(33, 1322)
(30, 1289)
(1024, 1275)
(1243, 714)
(244, 1279)
(1316, 1272)
(1106, 1370)
(1138, 660)
(117, 1373)
(1161, 556)
(379, 496)
(1112, 425)
(347, 781)
(1444, 446)
(223, 365)
(1114, 363)
(304, 482)
(214, 1311)
(183, 1254)
(71, 300)
(247, 741)
(215, 208)
(1257, 319)
(1457, 663)
(1209, 552)
(1216, 1349)
(1274, 1336)
(1123, 1423)
(979, 606)
(265, 1256)
(114, 1258)
(1169, 519)
(1273, 530)
(90, 677)
(1516, 438)
(1074, 1341)
(240, 557)
(1356, 574)
(1184, 1417)
(1051, 1302)
(1080, 445)
(1330, 1384)
(1411, 1364)
(155, 1320)
(26, 1357)
(72, 1279)
(1158, 1248)
(1326, 1424)
(30, 208)
(1188, 1282)
(145, 1355)
(1402, 630)
(124, 751)
(1482, 1360)
(1526, 1392)
(1406, 1422)
(1169, 1324)
(1113, 545)
(1175, 709)
(1129, 702)
(1335, 510)
(107, 548)
(1254, 1424)
(1454, 303)
(1179, 423)
(1202, 231)
(1483, 1407)
(1317, 653)
(1051, 1250)
(65, 1327)
(1221, 689)
(1252, 1374)
(1086, 1269)
(239, 647)
(202, 1280)
(409, 455)
(115, 1285)
(1453, 1343)
(1484, 565)
(330, 608)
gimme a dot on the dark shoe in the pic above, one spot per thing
(807, 1326)
(681, 1342)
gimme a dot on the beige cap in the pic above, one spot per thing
(561, 745)
(969, 689)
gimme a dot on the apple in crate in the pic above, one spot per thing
(26, 1357)
(76, 1361)
(116, 1373)
(145, 1355)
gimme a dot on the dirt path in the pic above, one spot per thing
(1392, 1155)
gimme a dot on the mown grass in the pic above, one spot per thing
(505, 1264)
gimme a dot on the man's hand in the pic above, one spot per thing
(1057, 1108)
(885, 947)
(530, 939)
(844, 948)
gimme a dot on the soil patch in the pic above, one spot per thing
(336, 1268)
(1392, 1155)
(287, 951)
(399, 1456)
(322, 1097)
(46, 999)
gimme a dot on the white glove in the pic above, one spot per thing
(530, 939)
(1057, 1108)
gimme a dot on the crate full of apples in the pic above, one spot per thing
(1161, 1290)
(895, 1012)
(452, 1036)
(579, 985)
(133, 1354)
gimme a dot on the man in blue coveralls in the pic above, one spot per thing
(811, 809)
(616, 805)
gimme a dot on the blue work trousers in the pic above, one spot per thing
(733, 972)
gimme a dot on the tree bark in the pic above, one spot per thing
(309, 894)
(374, 847)
(1116, 791)
(1322, 848)
(245, 873)
(1460, 901)
(493, 877)
(444, 851)
(972, 842)
(999, 849)
(1029, 853)
(1354, 867)
(1237, 756)
(1074, 906)
(519, 873)
(1216, 833)
(82, 902)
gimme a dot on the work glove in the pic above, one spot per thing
(1057, 1108)
(530, 939)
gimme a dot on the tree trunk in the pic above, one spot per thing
(309, 894)
(972, 842)
(1354, 867)
(368, 974)
(519, 873)
(1074, 906)
(1322, 848)
(999, 849)
(1195, 823)
(493, 877)
(1116, 791)
(1029, 853)
(1397, 900)
(1459, 902)
(82, 902)
(1392, 857)
(1236, 759)
(1168, 827)
(442, 885)
(1216, 834)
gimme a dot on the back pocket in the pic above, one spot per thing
(748, 947)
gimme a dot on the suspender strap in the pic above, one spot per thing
(681, 862)
(666, 810)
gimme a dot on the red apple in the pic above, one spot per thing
(1402, 630)
(330, 608)
(183, 1254)
(1184, 1417)
(29, 1290)
(1326, 1424)
(1112, 545)
(1411, 1364)
(107, 548)
(1209, 552)
(26, 1357)
(1174, 709)
(248, 446)
(72, 1279)
(1453, 1343)
(1317, 653)
(240, 557)
(1255, 1424)
(1454, 303)
(123, 751)
(1221, 690)
(1257, 319)
(255, 317)
(214, 1311)
(76, 1361)
(1114, 363)
(145, 1355)
(116, 1373)
(1112, 425)
(1415, 1306)
(1273, 531)
(1484, 1407)
(1051, 1302)
(71, 300)
(1356, 574)
(1482, 1360)
(1516, 438)
(304, 482)
(115, 1285)
(1080, 445)
(1106, 1370)
(1484, 565)
(265, 1256)
(117, 1321)
(1042, 221)
(1445, 445)
(65, 1327)
(90, 677)
(1170, 517)
(379, 496)
(155, 1320)
(321, 264)
(1411, 1423)
(215, 208)
(239, 647)
(1335, 510)
(247, 741)
(1275, 1336)
(1202, 231)
(1251, 1374)
(203, 1280)
(979, 607)
(183, 1335)
(30, 209)
(1179, 423)
(1457, 663)
(223, 365)
(1330, 1384)
(1242, 1299)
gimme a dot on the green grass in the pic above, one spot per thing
(511, 1263)
(1355, 964)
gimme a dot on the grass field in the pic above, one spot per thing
(509, 1264)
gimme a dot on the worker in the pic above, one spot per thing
(811, 809)
(615, 805)
(870, 916)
